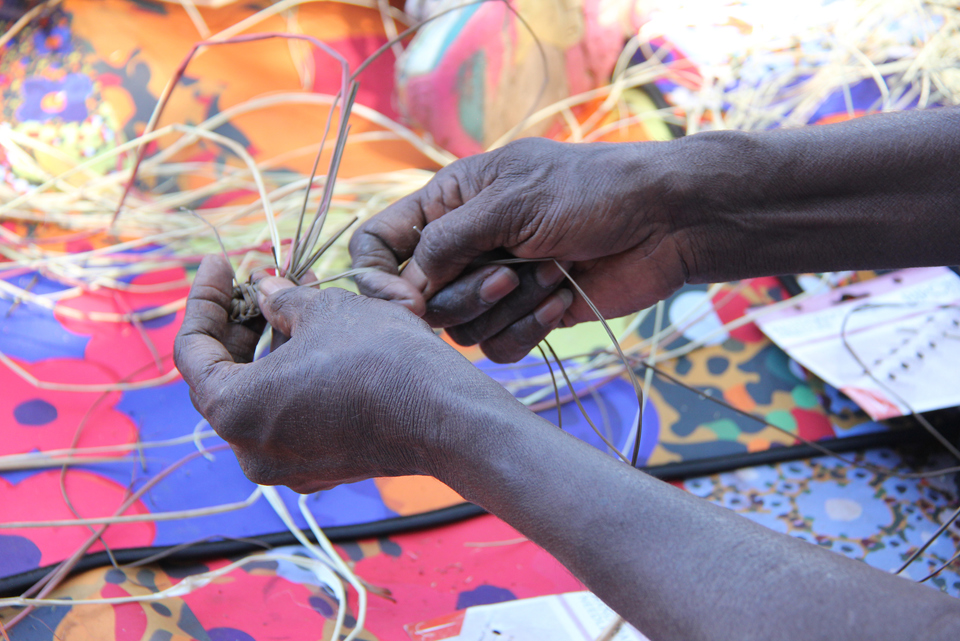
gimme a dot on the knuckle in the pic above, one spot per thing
(502, 353)
(382, 310)
(284, 300)
(521, 146)
(461, 170)
(224, 413)
(458, 182)
(442, 194)
(433, 242)
(441, 245)
(311, 486)
(201, 291)
(515, 342)
(330, 302)
(210, 404)
(255, 469)
(369, 247)
(461, 336)
(362, 237)
(316, 306)
(296, 303)
(180, 349)
(371, 284)
(304, 488)
(522, 151)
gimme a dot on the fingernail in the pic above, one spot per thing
(552, 309)
(548, 274)
(498, 284)
(273, 284)
(416, 307)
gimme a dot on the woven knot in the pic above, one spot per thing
(243, 305)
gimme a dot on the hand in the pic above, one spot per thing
(602, 210)
(362, 388)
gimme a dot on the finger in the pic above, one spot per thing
(468, 297)
(603, 282)
(285, 305)
(388, 239)
(516, 341)
(391, 287)
(308, 278)
(277, 338)
(199, 350)
(450, 244)
(392, 237)
(537, 282)
(262, 274)
(240, 339)
(382, 244)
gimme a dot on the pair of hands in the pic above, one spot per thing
(364, 387)
(603, 211)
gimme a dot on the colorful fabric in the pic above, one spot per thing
(471, 75)
(678, 426)
(723, 54)
(87, 79)
(877, 519)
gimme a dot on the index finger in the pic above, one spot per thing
(387, 240)
(383, 243)
(199, 350)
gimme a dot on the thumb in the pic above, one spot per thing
(283, 304)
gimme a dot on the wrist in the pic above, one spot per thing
(863, 194)
(477, 440)
(716, 180)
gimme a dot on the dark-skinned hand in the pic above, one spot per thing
(592, 207)
(362, 387)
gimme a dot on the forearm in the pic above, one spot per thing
(876, 192)
(676, 566)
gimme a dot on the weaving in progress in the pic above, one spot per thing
(348, 320)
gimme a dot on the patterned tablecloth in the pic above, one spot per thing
(86, 80)
(851, 511)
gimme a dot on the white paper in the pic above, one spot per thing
(904, 327)
(575, 616)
